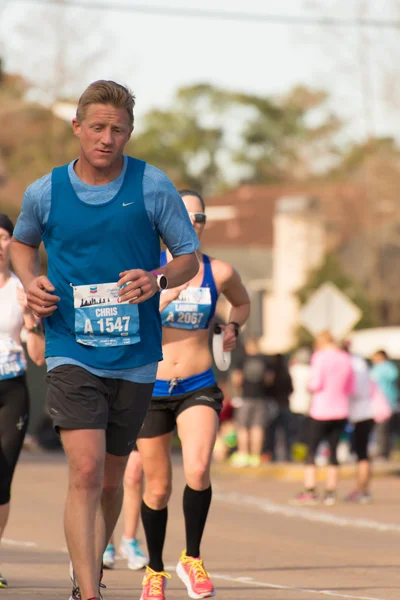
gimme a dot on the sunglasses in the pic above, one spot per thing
(198, 217)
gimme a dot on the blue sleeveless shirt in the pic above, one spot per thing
(195, 306)
(88, 246)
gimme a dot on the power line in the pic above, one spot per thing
(199, 13)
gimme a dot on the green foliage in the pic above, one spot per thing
(278, 132)
(330, 271)
(353, 158)
(32, 141)
(192, 140)
(179, 145)
(206, 132)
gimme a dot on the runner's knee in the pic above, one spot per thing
(198, 474)
(87, 473)
(158, 494)
(133, 477)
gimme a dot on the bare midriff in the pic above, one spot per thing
(186, 353)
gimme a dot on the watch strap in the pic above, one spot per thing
(236, 327)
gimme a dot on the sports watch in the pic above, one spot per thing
(236, 327)
(162, 281)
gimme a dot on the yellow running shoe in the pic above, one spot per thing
(3, 581)
(193, 574)
(154, 584)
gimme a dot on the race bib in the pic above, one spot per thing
(191, 310)
(101, 319)
(12, 361)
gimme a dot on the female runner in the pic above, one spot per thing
(14, 397)
(186, 396)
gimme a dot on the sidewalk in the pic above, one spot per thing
(294, 471)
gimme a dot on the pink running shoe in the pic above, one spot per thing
(305, 499)
(154, 584)
(193, 574)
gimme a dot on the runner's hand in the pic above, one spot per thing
(137, 286)
(40, 299)
(229, 337)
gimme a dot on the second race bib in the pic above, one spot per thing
(191, 310)
(12, 360)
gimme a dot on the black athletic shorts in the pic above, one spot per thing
(77, 399)
(164, 410)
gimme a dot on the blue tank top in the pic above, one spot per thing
(88, 246)
(195, 306)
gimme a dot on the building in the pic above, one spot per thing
(274, 236)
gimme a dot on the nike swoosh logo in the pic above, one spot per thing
(127, 203)
(205, 398)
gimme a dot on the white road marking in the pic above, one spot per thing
(276, 586)
(19, 544)
(303, 513)
(251, 581)
(273, 508)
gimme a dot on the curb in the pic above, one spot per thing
(295, 472)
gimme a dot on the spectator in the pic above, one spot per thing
(361, 416)
(252, 379)
(300, 399)
(331, 383)
(385, 374)
(281, 389)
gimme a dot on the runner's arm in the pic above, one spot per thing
(236, 293)
(137, 286)
(34, 331)
(180, 270)
(26, 263)
(25, 260)
(35, 346)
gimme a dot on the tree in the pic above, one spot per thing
(210, 131)
(177, 143)
(279, 143)
(331, 271)
(25, 131)
(375, 166)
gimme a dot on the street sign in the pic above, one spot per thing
(328, 308)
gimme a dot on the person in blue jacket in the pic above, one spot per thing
(386, 376)
(100, 218)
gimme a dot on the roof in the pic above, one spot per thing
(254, 264)
(249, 220)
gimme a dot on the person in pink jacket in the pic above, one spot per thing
(331, 384)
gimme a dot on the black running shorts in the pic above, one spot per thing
(77, 399)
(164, 410)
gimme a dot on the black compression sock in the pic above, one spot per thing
(155, 527)
(195, 508)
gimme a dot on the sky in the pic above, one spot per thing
(157, 54)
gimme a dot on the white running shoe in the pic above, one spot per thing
(131, 550)
(76, 593)
(109, 557)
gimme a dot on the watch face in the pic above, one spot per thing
(163, 282)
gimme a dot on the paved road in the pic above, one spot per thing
(256, 545)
